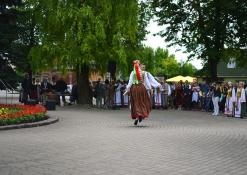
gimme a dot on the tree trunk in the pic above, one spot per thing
(83, 89)
(112, 69)
(213, 69)
(218, 44)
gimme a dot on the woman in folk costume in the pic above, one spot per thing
(195, 95)
(125, 97)
(157, 97)
(139, 83)
(240, 109)
(179, 95)
(230, 99)
(118, 99)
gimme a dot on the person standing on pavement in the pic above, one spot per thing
(118, 100)
(179, 95)
(240, 108)
(106, 94)
(99, 90)
(44, 89)
(216, 98)
(230, 100)
(187, 95)
(26, 87)
(166, 91)
(60, 88)
(125, 97)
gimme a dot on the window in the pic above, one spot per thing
(232, 63)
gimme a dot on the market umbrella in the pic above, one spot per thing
(189, 79)
(176, 79)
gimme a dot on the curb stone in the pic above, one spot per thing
(48, 121)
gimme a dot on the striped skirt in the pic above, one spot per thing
(140, 101)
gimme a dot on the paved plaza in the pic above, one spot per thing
(104, 142)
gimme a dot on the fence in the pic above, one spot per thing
(9, 95)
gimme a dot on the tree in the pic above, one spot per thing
(161, 56)
(237, 46)
(83, 35)
(206, 28)
(160, 63)
(8, 33)
(19, 35)
(171, 67)
(147, 57)
(187, 69)
(137, 50)
(28, 37)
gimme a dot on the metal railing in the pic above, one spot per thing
(9, 90)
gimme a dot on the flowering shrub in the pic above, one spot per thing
(3, 111)
(15, 114)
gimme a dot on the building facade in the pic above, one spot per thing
(230, 71)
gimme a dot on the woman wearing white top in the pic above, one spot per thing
(230, 99)
(240, 109)
(139, 83)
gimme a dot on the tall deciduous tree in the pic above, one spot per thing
(206, 28)
(8, 33)
(160, 63)
(83, 35)
(135, 50)
(187, 69)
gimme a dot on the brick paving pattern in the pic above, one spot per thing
(102, 142)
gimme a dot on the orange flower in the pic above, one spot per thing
(23, 110)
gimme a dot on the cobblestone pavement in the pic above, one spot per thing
(95, 142)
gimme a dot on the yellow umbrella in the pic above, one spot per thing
(175, 79)
(189, 79)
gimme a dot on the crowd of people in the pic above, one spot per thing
(36, 91)
(226, 99)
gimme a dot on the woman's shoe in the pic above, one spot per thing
(140, 120)
(136, 121)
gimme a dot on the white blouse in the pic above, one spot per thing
(243, 97)
(148, 81)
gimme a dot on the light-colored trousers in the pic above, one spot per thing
(216, 105)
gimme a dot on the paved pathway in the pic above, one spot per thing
(102, 142)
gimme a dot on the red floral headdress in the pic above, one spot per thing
(137, 69)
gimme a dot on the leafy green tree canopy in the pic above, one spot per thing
(83, 32)
(83, 35)
(160, 63)
(8, 34)
(206, 28)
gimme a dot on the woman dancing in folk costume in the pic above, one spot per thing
(139, 83)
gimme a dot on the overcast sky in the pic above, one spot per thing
(157, 41)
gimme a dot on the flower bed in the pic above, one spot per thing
(17, 114)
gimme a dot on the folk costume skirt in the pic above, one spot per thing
(140, 101)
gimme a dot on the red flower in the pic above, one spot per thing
(23, 110)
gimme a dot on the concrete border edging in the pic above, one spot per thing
(48, 121)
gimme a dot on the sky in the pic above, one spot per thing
(157, 41)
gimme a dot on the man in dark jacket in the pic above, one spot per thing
(99, 92)
(26, 87)
(74, 96)
(45, 87)
(60, 88)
